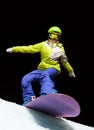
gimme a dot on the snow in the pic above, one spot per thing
(16, 117)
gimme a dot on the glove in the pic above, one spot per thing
(72, 74)
(9, 50)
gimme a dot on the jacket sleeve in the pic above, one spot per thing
(27, 49)
(67, 66)
(64, 61)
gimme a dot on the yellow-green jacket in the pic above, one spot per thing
(46, 51)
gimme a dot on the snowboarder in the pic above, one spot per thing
(52, 55)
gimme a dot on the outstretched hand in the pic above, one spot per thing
(72, 74)
(9, 50)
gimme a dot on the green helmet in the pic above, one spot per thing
(55, 29)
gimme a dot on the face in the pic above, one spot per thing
(54, 37)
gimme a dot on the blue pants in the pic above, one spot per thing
(45, 80)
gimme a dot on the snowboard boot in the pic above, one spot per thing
(29, 100)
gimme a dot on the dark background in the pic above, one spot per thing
(25, 24)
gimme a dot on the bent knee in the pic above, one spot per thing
(24, 80)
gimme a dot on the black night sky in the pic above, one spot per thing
(28, 24)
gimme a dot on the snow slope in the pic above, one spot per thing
(16, 117)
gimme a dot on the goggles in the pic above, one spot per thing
(54, 36)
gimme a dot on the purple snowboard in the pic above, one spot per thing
(58, 105)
